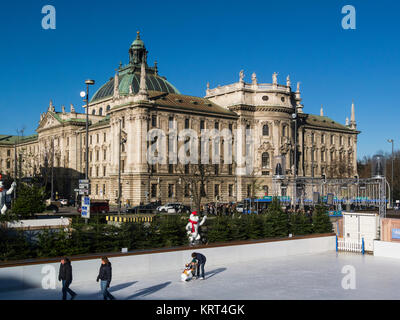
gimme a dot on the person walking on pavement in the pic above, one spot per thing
(105, 274)
(65, 275)
(201, 261)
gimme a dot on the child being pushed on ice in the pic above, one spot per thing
(189, 271)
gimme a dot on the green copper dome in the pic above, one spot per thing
(130, 75)
(154, 82)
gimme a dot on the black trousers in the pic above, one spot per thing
(200, 267)
(65, 289)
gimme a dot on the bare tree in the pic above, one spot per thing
(195, 178)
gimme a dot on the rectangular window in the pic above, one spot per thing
(171, 122)
(104, 154)
(104, 171)
(97, 155)
(123, 122)
(105, 137)
(230, 169)
(122, 166)
(216, 169)
(98, 139)
(230, 190)
(202, 124)
(249, 190)
(90, 139)
(216, 125)
(154, 190)
(187, 123)
(8, 153)
(170, 168)
(97, 172)
(104, 189)
(186, 192)
(170, 191)
(154, 120)
(186, 169)
(216, 190)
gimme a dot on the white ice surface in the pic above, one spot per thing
(317, 276)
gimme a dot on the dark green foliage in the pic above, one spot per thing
(321, 221)
(300, 224)
(219, 229)
(164, 231)
(30, 200)
(14, 246)
(277, 223)
(172, 231)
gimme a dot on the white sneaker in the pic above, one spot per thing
(202, 278)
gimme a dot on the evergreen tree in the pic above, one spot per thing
(172, 231)
(30, 200)
(300, 224)
(219, 229)
(277, 220)
(320, 220)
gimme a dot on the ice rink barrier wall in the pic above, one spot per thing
(44, 273)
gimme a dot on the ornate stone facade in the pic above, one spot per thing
(137, 100)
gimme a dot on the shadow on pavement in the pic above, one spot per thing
(121, 286)
(149, 290)
(212, 273)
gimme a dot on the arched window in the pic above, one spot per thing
(108, 108)
(100, 111)
(265, 130)
(265, 160)
(93, 112)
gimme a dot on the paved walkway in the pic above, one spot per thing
(297, 277)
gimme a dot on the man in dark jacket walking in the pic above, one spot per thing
(201, 261)
(65, 275)
(105, 274)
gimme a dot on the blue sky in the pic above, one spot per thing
(199, 41)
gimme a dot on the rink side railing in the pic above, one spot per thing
(350, 245)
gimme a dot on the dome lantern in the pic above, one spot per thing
(137, 51)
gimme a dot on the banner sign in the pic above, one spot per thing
(395, 233)
(85, 210)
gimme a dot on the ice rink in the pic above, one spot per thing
(317, 276)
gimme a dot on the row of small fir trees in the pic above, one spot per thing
(164, 231)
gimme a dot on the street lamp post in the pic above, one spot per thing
(392, 142)
(121, 142)
(294, 116)
(88, 83)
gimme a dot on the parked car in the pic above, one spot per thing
(146, 208)
(239, 207)
(98, 206)
(173, 208)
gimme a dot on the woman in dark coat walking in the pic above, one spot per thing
(65, 275)
(105, 274)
